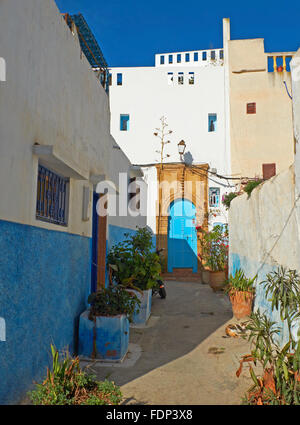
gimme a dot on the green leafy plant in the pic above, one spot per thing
(226, 199)
(280, 383)
(214, 247)
(239, 282)
(113, 301)
(284, 287)
(133, 262)
(67, 384)
(252, 185)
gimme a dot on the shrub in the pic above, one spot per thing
(67, 384)
(112, 301)
(252, 185)
(280, 383)
(133, 263)
(214, 247)
(226, 200)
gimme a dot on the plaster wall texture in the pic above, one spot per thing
(295, 66)
(263, 233)
(51, 97)
(267, 136)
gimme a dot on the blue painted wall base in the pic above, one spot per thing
(45, 279)
(112, 337)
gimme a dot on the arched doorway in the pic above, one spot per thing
(182, 236)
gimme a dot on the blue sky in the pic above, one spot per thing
(130, 32)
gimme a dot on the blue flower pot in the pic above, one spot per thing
(142, 317)
(105, 338)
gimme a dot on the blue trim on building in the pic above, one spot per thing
(45, 278)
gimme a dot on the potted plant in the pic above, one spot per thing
(279, 383)
(104, 328)
(215, 254)
(68, 385)
(241, 294)
(136, 266)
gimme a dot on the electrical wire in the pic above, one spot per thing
(287, 90)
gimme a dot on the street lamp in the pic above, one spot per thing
(181, 148)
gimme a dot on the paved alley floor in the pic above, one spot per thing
(185, 356)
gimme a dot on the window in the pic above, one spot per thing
(214, 197)
(170, 78)
(162, 60)
(196, 57)
(124, 122)
(221, 54)
(212, 122)
(110, 79)
(187, 57)
(134, 190)
(178, 58)
(212, 55)
(119, 79)
(180, 78)
(170, 58)
(204, 56)
(251, 108)
(191, 78)
(269, 170)
(52, 197)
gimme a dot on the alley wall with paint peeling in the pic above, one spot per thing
(263, 233)
(264, 228)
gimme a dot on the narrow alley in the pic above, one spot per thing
(185, 358)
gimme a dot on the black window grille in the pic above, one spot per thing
(52, 197)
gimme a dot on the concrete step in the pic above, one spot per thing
(183, 275)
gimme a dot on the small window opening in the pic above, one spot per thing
(196, 56)
(187, 57)
(214, 197)
(162, 60)
(212, 122)
(170, 58)
(124, 122)
(119, 79)
(191, 78)
(204, 56)
(180, 78)
(251, 108)
(170, 78)
(178, 58)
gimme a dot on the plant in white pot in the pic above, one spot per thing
(214, 245)
(135, 265)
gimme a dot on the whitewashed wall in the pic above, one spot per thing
(51, 97)
(146, 95)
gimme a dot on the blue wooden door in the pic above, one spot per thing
(182, 236)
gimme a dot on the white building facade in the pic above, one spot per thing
(188, 89)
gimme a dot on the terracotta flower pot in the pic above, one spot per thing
(217, 280)
(241, 303)
(205, 276)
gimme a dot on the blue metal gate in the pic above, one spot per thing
(182, 236)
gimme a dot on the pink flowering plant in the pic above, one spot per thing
(215, 246)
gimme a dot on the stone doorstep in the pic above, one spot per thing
(130, 358)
